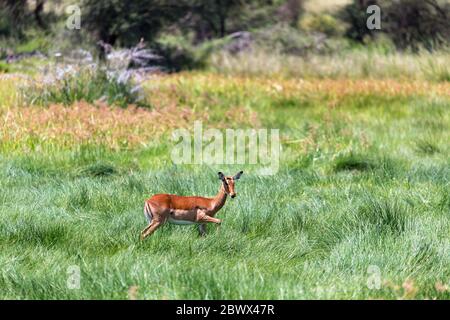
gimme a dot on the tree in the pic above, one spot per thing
(215, 13)
(409, 23)
(218, 18)
(126, 22)
(416, 23)
(39, 8)
(356, 16)
(14, 14)
(290, 11)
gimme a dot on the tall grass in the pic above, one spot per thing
(363, 185)
(304, 250)
(354, 64)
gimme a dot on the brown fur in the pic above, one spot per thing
(193, 209)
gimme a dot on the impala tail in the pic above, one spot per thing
(148, 212)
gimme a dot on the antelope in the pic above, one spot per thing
(182, 210)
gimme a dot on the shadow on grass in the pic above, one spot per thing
(354, 162)
(426, 147)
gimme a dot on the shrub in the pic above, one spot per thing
(409, 23)
(83, 84)
(4, 68)
(415, 23)
(354, 14)
(117, 82)
(287, 40)
(34, 41)
(180, 54)
(321, 22)
(13, 16)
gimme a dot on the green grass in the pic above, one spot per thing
(363, 183)
(347, 61)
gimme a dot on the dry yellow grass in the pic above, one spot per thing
(170, 87)
(85, 123)
(178, 100)
(65, 127)
(358, 64)
(324, 5)
(9, 89)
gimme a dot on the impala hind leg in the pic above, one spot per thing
(150, 229)
(145, 230)
(149, 216)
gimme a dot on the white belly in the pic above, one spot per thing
(180, 222)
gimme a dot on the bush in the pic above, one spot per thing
(13, 17)
(321, 22)
(409, 23)
(36, 42)
(416, 23)
(4, 68)
(84, 84)
(116, 82)
(288, 40)
(180, 54)
(354, 14)
(5, 24)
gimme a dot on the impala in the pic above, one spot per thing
(162, 208)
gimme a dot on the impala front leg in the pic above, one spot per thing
(203, 217)
(207, 218)
(202, 229)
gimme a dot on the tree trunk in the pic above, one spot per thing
(37, 13)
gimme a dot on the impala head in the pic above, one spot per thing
(228, 182)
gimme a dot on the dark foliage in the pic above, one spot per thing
(414, 23)
(356, 17)
(409, 23)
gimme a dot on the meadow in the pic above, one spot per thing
(360, 208)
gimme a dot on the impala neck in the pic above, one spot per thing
(220, 198)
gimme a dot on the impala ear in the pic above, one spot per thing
(221, 176)
(238, 175)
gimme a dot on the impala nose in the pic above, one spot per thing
(233, 195)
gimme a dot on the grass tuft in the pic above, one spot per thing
(100, 169)
(385, 215)
(426, 147)
(73, 181)
(354, 162)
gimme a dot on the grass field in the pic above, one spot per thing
(361, 197)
